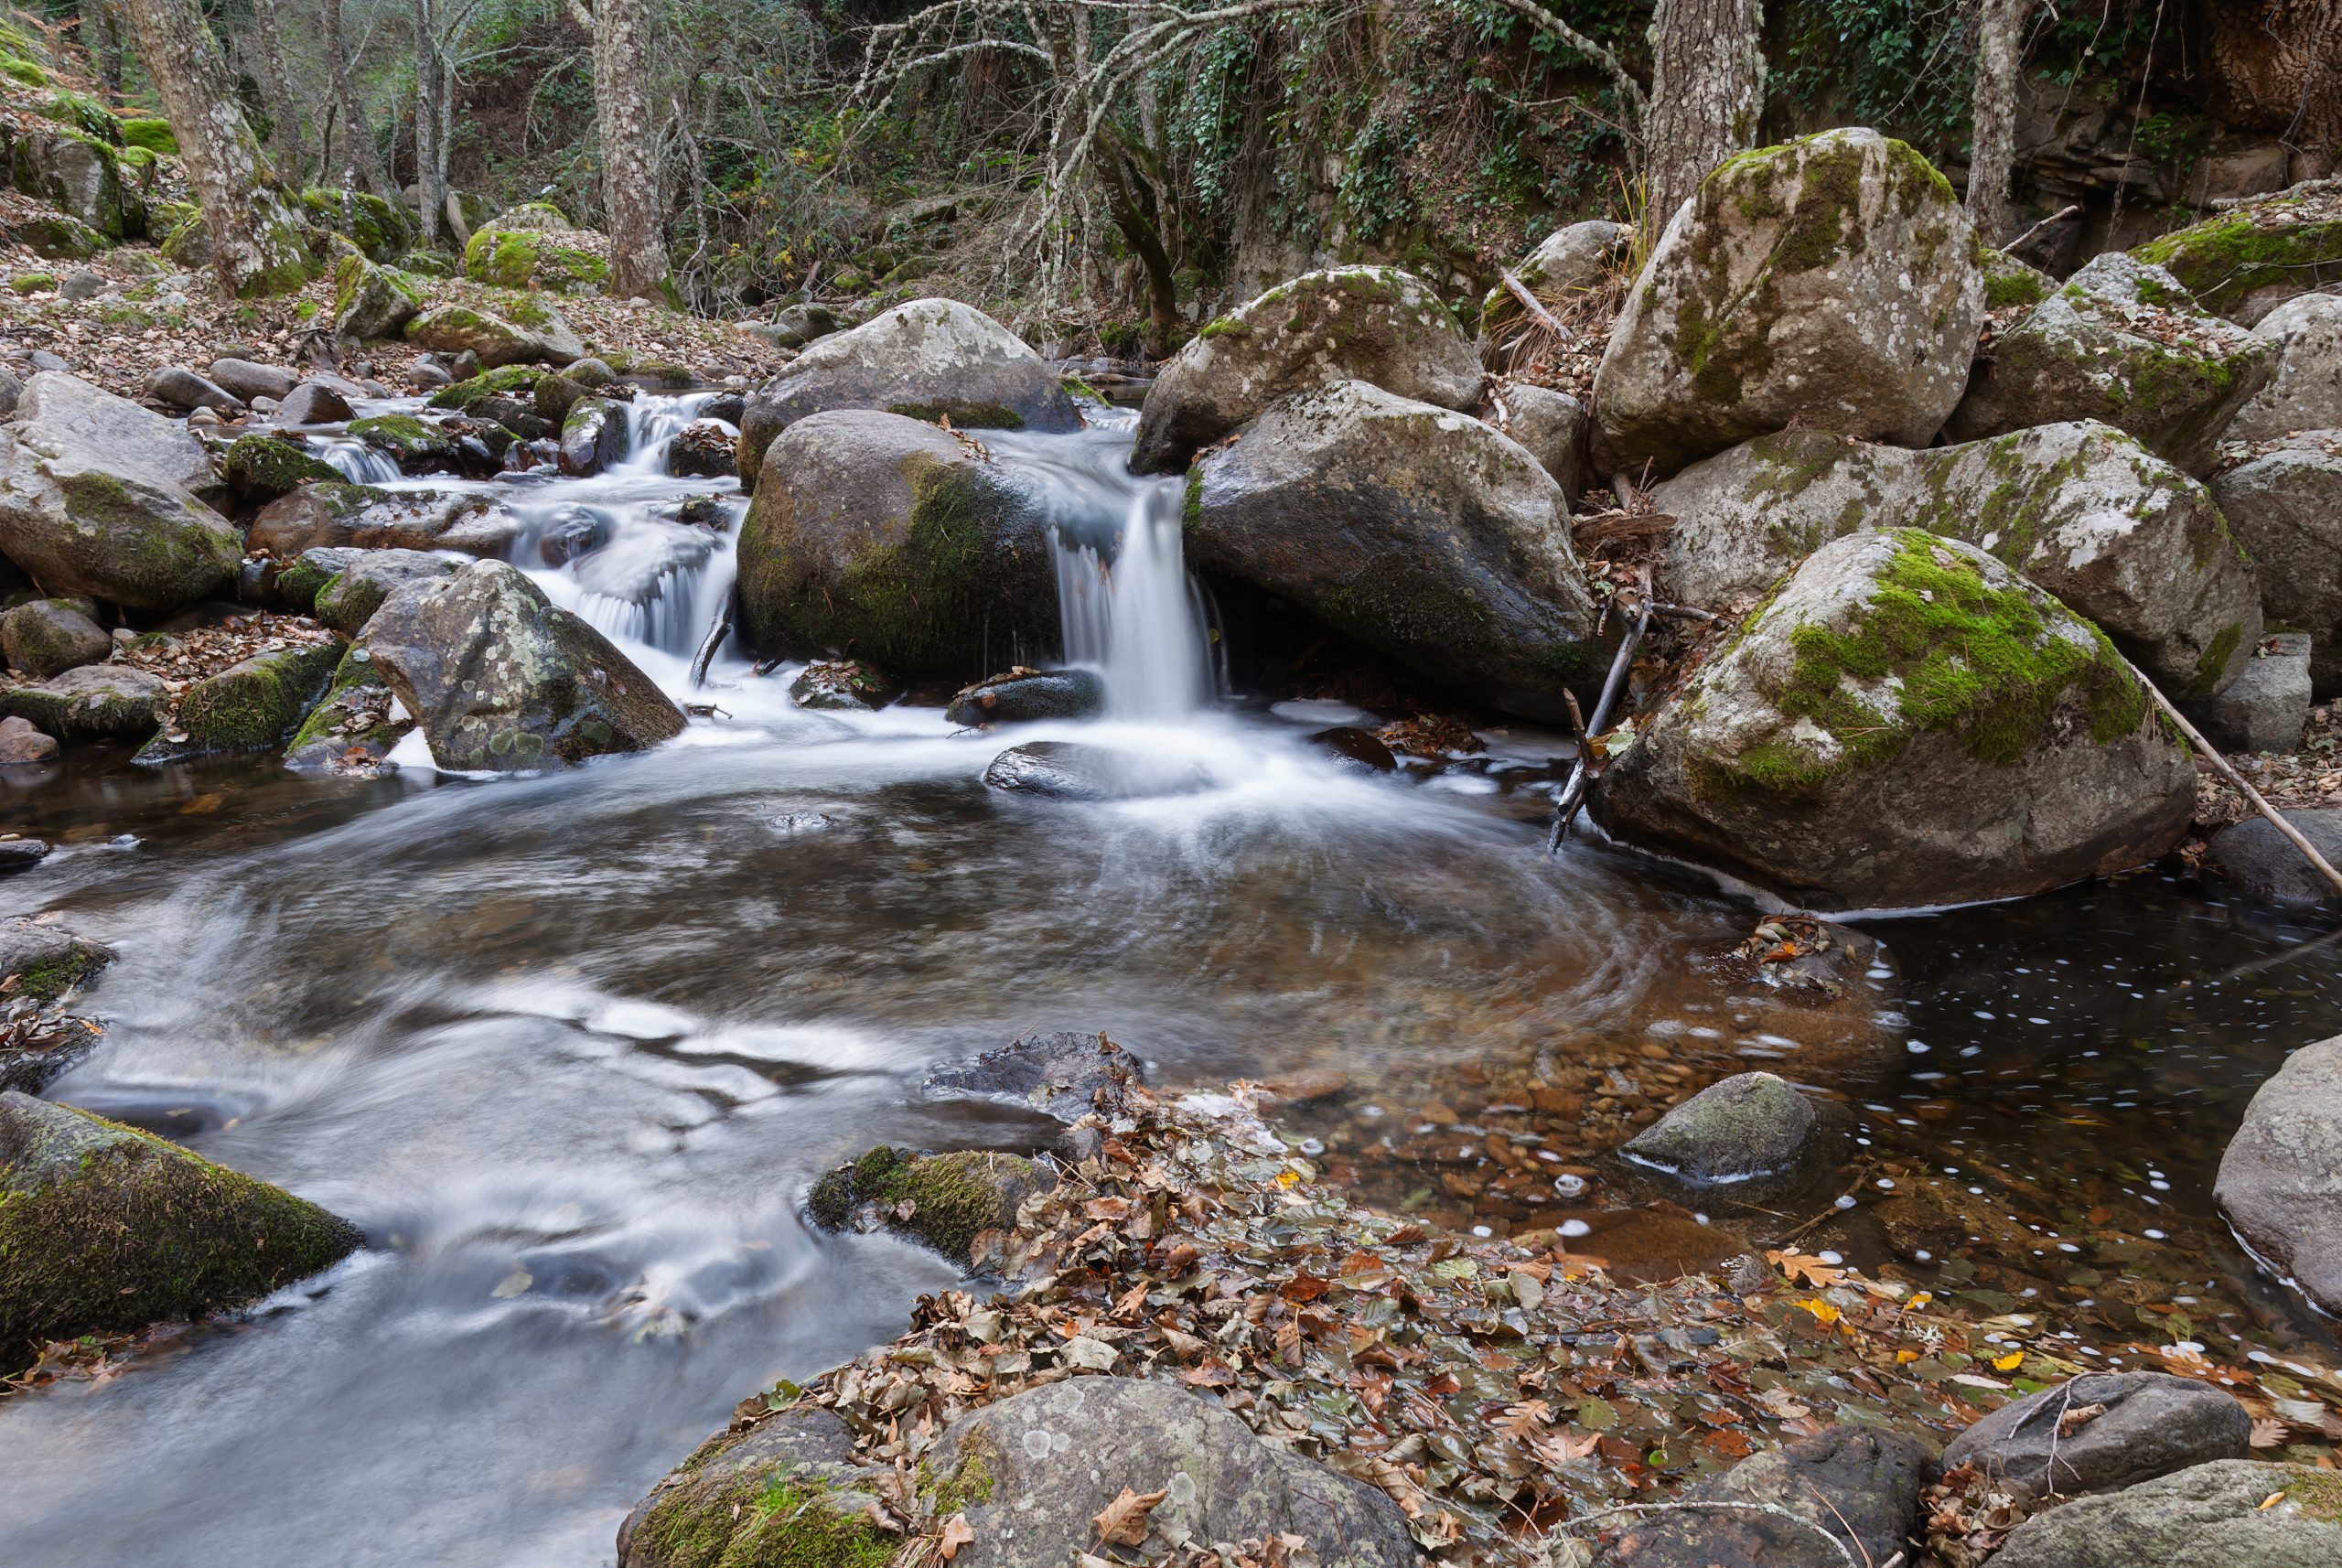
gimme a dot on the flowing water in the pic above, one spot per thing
(571, 1048)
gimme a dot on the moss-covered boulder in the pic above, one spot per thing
(561, 259)
(2118, 534)
(350, 599)
(460, 328)
(416, 446)
(2285, 504)
(48, 637)
(381, 230)
(2304, 389)
(53, 236)
(846, 685)
(1376, 325)
(2123, 343)
(324, 516)
(296, 583)
(1749, 1138)
(371, 302)
(927, 359)
(1420, 532)
(502, 680)
(879, 537)
(944, 1200)
(594, 436)
(518, 381)
(255, 705)
(260, 468)
(2245, 262)
(76, 173)
(355, 724)
(2011, 286)
(784, 1493)
(153, 135)
(56, 410)
(95, 701)
(1905, 723)
(107, 1228)
(44, 961)
(2226, 1514)
(1832, 282)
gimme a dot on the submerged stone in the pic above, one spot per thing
(1025, 696)
(1068, 771)
(945, 1201)
(1752, 1138)
(2280, 1184)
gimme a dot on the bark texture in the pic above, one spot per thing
(285, 141)
(639, 262)
(2278, 66)
(365, 162)
(1707, 90)
(2000, 45)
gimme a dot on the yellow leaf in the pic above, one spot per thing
(2010, 1362)
(1288, 1178)
(1823, 1311)
(1905, 1358)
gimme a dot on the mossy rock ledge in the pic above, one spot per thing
(1905, 723)
(254, 705)
(944, 1200)
(2245, 262)
(107, 1228)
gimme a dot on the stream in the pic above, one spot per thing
(571, 1048)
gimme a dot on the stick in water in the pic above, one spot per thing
(1573, 793)
(2211, 754)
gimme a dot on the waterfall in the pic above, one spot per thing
(357, 462)
(651, 422)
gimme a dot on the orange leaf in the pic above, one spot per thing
(1122, 1522)
(957, 1533)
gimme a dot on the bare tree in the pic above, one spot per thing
(1708, 92)
(257, 241)
(2000, 47)
(101, 35)
(638, 263)
(285, 141)
(440, 27)
(364, 162)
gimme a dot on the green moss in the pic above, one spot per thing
(963, 416)
(733, 1518)
(2214, 664)
(970, 1484)
(943, 1199)
(404, 436)
(505, 380)
(84, 114)
(153, 135)
(378, 229)
(1080, 388)
(33, 282)
(520, 258)
(17, 68)
(256, 705)
(1191, 511)
(1226, 327)
(2009, 283)
(2225, 260)
(262, 468)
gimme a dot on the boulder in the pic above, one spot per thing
(96, 701)
(563, 259)
(2264, 863)
(1752, 1138)
(877, 535)
(555, 395)
(800, 324)
(1574, 259)
(82, 523)
(594, 436)
(2245, 262)
(185, 390)
(371, 302)
(1550, 426)
(2267, 707)
(21, 743)
(296, 583)
(1068, 771)
(2118, 534)
(357, 721)
(1906, 722)
(925, 360)
(2304, 389)
(1853, 1493)
(20, 854)
(2280, 1183)
(1376, 325)
(2122, 343)
(415, 444)
(314, 403)
(2285, 505)
(104, 1227)
(45, 961)
(1052, 1459)
(1023, 695)
(500, 679)
(76, 173)
(1354, 750)
(571, 534)
(460, 328)
(349, 601)
(944, 1200)
(380, 230)
(557, 340)
(2233, 1513)
(2147, 1424)
(57, 410)
(319, 516)
(248, 380)
(1422, 532)
(844, 684)
(1065, 1076)
(49, 636)
(712, 1509)
(1831, 281)
(260, 468)
(704, 449)
(255, 704)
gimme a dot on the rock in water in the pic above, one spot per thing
(1831, 281)
(2122, 343)
(2280, 1180)
(710, 1510)
(2214, 1516)
(254, 705)
(929, 360)
(2118, 535)
(260, 468)
(2147, 1424)
(350, 600)
(353, 723)
(314, 403)
(704, 449)
(1752, 1137)
(2258, 858)
(1906, 722)
(95, 701)
(945, 1201)
(46, 962)
(1064, 1076)
(21, 743)
(321, 516)
(2305, 391)
(1068, 771)
(881, 537)
(107, 1229)
(1023, 695)
(49, 636)
(594, 436)
(1376, 325)
(1855, 1486)
(500, 679)
(844, 684)
(2287, 506)
(1420, 532)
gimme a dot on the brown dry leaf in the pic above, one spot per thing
(1804, 1266)
(1122, 1522)
(957, 1533)
(2268, 1432)
(2074, 1420)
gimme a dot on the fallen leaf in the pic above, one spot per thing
(2074, 1420)
(1122, 1522)
(957, 1533)
(2268, 1432)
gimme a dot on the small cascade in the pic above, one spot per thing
(357, 461)
(652, 420)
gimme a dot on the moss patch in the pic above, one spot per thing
(2225, 260)
(943, 1199)
(155, 135)
(255, 705)
(733, 1518)
(262, 468)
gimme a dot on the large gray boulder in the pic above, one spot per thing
(1848, 1494)
(502, 680)
(58, 408)
(1906, 722)
(1831, 281)
(2122, 342)
(461, 329)
(2304, 389)
(927, 359)
(1571, 260)
(2263, 862)
(348, 600)
(328, 516)
(95, 702)
(2232, 1513)
(880, 537)
(1422, 532)
(2267, 707)
(2118, 534)
(107, 1229)
(48, 637)
(2144, 1424)
(2280, 1180)
(1377, 325)
(371, 302)
(2286, 507)
(1752, 1138)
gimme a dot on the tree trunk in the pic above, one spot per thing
(101, 35)
(276, 91)
(430, 182)
(256, 238)
(2277, 66)
(1146, 242)
(1707, 90)
(2000, 45)
(629, 160)
(365, 163)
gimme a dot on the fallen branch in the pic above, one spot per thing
(1573, 795)
(2221, 765)
(2057, 217)
(713, 640)
(1528, 302)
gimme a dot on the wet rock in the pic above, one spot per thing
(417, 447)
(1420, 532)
(2281, 1179)
(49, 636)
(255, 704)
(594, 436)
(843, 683)
(1360, 750)
(20, 743)
(314, 403)
(1066, 770)
(338, 515)
(1376, 325)
(1053, 1458)
(296, 583)
(517, 381)
(1023, 695)
(2147, 1424)
(371, 302)
(2267, 707)
(46, 962)
(2214, 1516)
(702, 449)
(2286, 507)
(571, 534)
(183, 389)
(103, 1228)
(2263, 862)
(1857, 1486)
(356, 723)
(349, 601)
(885, 537)
(1570, 261)
(555, 395)
(248, 380)
(260, 468)
(925, 361)
(1064, 1076)
(2123, 343)
(799, 325)
(460, 328)
(519, 418)
(2082, 508)
(944, 1200)
(96, 701)
(1830, 283)
(500, 679)
(21, 853)
(1752, 1138)
(1906, 722)
(1552, 427)
(2305, 391)
(711, 1510)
